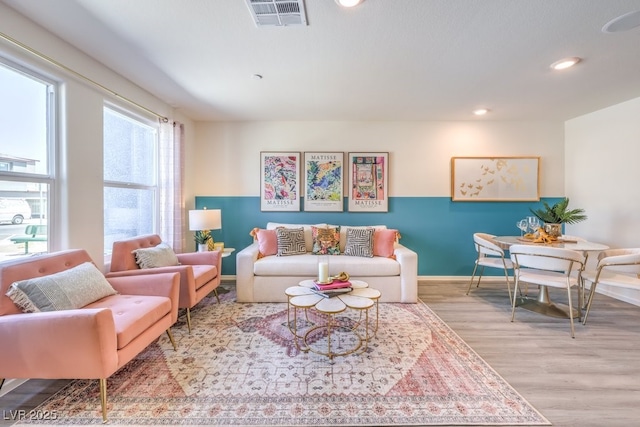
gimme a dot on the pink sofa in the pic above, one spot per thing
(92, 342)
(199, 271)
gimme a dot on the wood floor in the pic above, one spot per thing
(592, 380)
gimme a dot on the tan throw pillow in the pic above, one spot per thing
(158, 256)
(66, 290)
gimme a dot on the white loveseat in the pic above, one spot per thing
(264, 279)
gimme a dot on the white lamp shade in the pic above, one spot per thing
(205, 219)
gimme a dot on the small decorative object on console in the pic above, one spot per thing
(554, 216)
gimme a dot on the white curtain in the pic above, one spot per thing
(171, 171)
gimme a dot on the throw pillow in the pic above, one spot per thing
(359, 242)
(343, 232)
(326, 240)
(267, 242)
(158, 256)
(383, 242)
(290, 241)
(66, 290)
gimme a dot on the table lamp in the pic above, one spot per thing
(205, 220)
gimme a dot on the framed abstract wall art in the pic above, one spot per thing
(323, 181)
(495, 179)
(279, 181)
(368, 182)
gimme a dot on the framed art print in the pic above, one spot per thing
(368, 182)
(495, 179)
(279, 181)
(323, 181)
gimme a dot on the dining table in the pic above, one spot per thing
(542, 303)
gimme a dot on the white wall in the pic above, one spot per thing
(602, 151)
(420, 152)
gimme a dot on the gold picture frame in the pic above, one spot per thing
(484, 179)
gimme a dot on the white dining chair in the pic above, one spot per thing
(616, 267)
(570, 238)
(489, 255)
(550, 267)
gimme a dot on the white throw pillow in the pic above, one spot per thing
(160, 255)
(66, 290)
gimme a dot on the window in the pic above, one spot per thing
(27, 144)
(130, 176)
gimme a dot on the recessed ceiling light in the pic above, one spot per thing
(626, 22)
(257, 77)
(348, 3)
(565, 63)
(480, 111)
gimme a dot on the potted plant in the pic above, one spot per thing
(554, 216)
(202, 238)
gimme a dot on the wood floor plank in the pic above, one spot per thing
(592, 380)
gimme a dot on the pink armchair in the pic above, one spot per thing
(91, 342)
(199, 271)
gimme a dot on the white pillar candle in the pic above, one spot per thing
(323, 272)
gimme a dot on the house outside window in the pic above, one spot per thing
(27, 147)
(130, 176)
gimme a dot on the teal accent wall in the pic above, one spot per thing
(439, 230)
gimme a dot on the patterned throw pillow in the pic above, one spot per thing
(290, 241)
(65, 290)
(326, 240)
(359, 242)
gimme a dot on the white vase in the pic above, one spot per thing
(202, 247)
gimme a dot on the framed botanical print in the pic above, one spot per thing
(279, 181)
(368, 182)
(495, 179)
(323, 181)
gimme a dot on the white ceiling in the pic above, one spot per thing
(383, 60)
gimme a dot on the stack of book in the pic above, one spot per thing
(335, 288)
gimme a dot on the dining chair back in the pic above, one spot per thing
(547, 266)
(617, 268)
(489, 255)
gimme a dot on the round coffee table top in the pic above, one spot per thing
(360, 298)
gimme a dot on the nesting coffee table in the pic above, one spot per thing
(360, 300)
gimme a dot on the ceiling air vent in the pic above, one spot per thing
(277, 12)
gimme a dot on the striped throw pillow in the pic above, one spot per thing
(359, 242)
(290, 241)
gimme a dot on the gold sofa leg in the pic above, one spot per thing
(103, 398)
(189, 319)
(1, 383)
(175, 348)
(215, 291)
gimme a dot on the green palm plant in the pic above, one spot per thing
(559, 213)
(202, 236)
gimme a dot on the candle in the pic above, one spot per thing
(323, 272)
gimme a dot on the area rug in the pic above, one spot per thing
(240, 366)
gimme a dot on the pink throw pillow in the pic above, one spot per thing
(383, 242)
(267, 242)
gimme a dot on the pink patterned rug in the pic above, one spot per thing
(239, 366)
